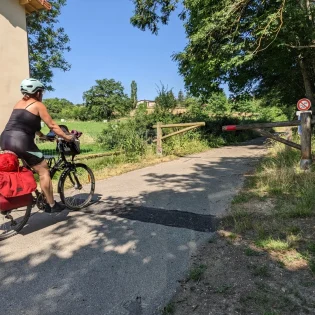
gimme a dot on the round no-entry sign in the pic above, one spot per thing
(304, 104)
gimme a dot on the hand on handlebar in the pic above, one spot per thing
(46, 138)
(70, 138)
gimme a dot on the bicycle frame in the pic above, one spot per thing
(70, 171)
(61, 164)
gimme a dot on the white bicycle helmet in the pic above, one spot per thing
(31, 86)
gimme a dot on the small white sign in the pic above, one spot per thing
(298, 113)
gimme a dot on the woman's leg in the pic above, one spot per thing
(45, 181)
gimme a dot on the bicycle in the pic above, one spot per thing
(76, 178)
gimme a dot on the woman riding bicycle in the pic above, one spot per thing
(19, 134)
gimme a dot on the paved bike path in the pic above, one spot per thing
(126, 253)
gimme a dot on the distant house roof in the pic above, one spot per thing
(35, 5)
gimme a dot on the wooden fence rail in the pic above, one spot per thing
(96, 155)
(84, 157)
(263, 125)
(160, 137)
(306, 126)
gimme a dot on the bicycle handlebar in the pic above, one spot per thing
(74, 138)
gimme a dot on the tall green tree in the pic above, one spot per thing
(105, 98)
(56, 105)
(134, 93)
(47, 43)
(165, 101)
(149, 14)
(257, 46)
(181, 97)
(218, 104)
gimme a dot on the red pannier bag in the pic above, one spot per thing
(7, 204)
(9, 161)
(14, 184)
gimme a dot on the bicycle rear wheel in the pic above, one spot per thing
(11, 222)
(77, 186)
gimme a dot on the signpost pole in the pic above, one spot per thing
(306, 143)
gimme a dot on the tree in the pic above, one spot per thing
(56, 105)
(105, 98)
(218, 104)
(47, 43)
(195, 107)
(181, 97)
(147, 14)
(256, 46)
(134, 94)
(165, 100)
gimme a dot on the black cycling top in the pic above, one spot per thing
(23, 120)
(19, 133)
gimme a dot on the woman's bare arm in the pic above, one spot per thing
(44, 115)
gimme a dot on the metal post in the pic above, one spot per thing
(306, 143)
(159, 150)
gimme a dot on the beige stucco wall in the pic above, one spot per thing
(14, 65)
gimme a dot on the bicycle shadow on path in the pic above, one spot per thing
(40, 220)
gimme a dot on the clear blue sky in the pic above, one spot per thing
(105, 45)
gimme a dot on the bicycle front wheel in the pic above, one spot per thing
(11, 222)
(76, 186)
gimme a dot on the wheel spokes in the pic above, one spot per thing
(77, 187)
(10, 221)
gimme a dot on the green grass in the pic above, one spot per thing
(295, 206)
(50, 148)
(273, 244)
(169, 309)
(295, 230)
(280, 263)
(92, 128)
(240, 219)
(222, 289)
(311, 247)
(242, 197)
(261, 271)
(212, 239)
(196, 273)
(251, 252)
(88, 140)
(312, 265)
(232, 236)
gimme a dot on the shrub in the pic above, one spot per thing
(123, 136)
(272, 114)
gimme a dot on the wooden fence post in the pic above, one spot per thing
(159, 150)
(306, 143)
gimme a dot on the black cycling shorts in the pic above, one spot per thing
(22, 145)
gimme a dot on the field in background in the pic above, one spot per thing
(90, 129)
(88, 140)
